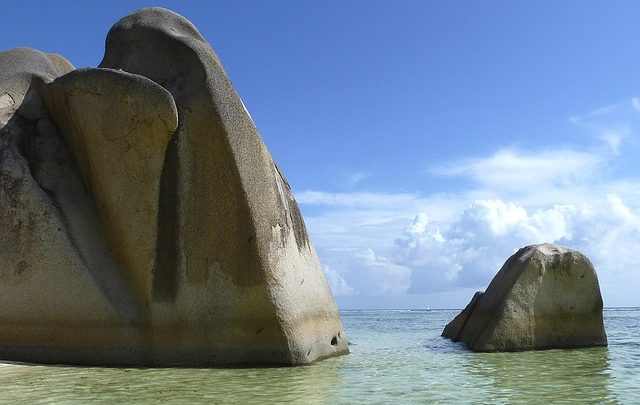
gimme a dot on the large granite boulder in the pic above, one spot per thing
(545, 296)
(142, 219)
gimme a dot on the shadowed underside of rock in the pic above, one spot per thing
(545, 296)
(160, 193)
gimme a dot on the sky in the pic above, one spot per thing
(425, 141)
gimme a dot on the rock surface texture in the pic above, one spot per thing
(142, 219)
(545, 296)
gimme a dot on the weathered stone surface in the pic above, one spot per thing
(455, 327)
(22, 70)
(164, 198)
(61, 65)
(118, 126)
(545, 296)
(58, 283)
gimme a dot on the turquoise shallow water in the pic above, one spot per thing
(397, 357)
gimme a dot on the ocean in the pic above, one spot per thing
(397, 356)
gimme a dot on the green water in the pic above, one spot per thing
(397, 357)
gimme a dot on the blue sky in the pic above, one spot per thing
(425, 140)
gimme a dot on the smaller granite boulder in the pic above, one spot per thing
(544, 296)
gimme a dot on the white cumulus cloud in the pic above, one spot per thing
(366, 273)
(468, 252)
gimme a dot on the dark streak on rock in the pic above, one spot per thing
(165, 270)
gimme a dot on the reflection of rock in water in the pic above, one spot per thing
(305, 385)
(545, 377)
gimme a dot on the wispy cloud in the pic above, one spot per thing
(615, 124)
(509, 169)
(357, 199)
(344, 178)
(352, 179)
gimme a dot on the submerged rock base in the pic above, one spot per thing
(545, 296)
(142, 219)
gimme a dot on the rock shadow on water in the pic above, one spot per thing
(544, 377)
(307, 384)
(437, 344)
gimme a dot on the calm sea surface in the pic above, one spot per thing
(397, 357)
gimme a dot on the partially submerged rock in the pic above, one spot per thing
(545, 296)
(143, 220)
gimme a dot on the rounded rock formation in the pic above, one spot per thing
(143, 220)
(545, 296)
